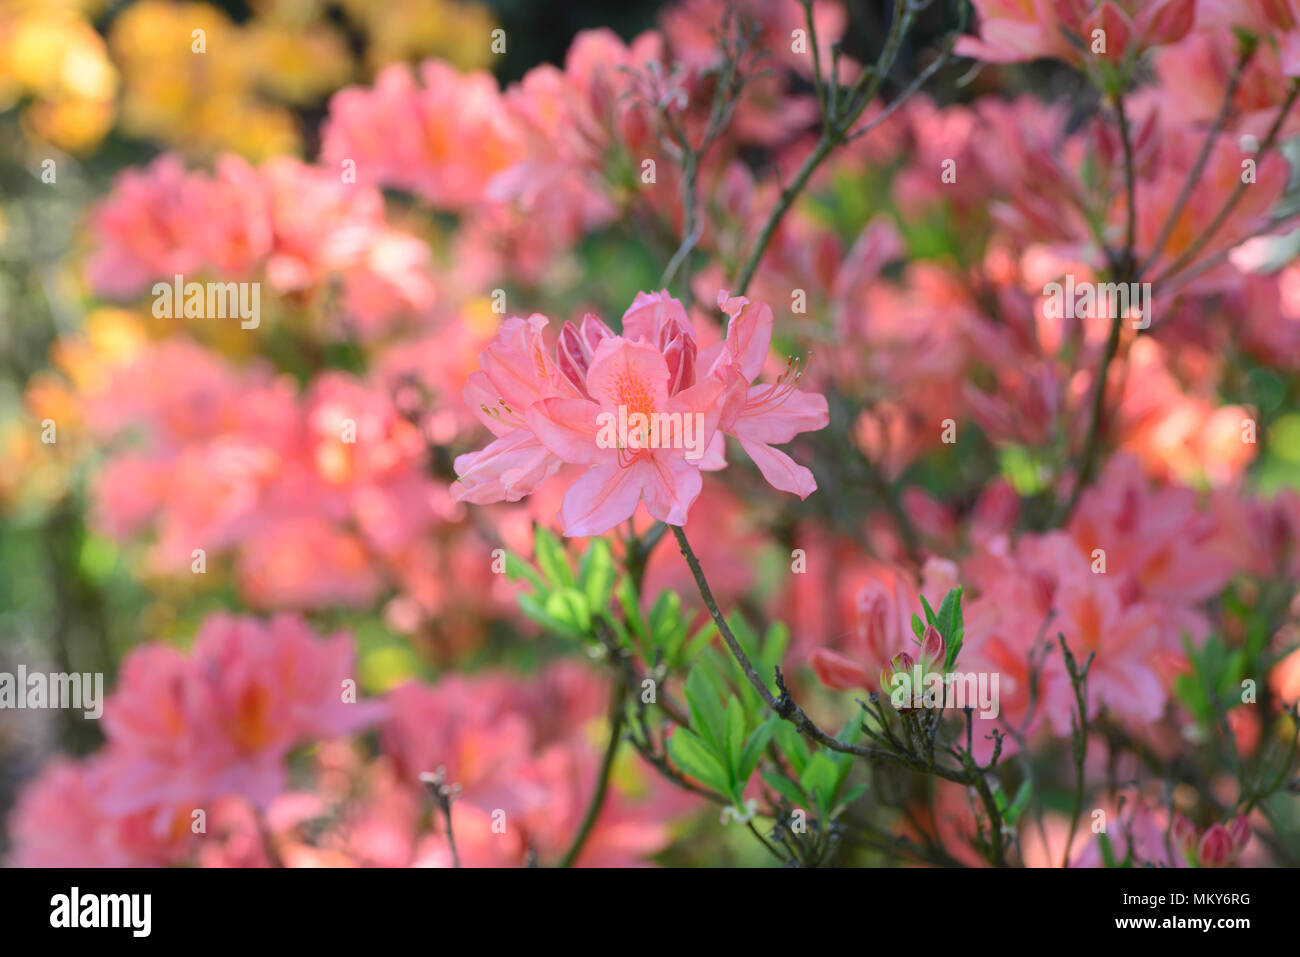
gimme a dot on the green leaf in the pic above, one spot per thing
(849, 734)
(949, 610)
(713, 666)
(1107, 852)
(852, 795)
(691, 755)
(930, 617)
(535, 609)
(619, 629)
(701, 638)
(785, 787)
(665, 620)
(749, 641)
(951, 626)
(1020, 802)
(775, 642)
(517, 568)
(569, 606)
(818, 781)
(753, 751)
(596, 574)
(918, 626)
(630, 602)
(745, 634)
(551, 558)
(734, 739)
(792, 745)
(707, 716)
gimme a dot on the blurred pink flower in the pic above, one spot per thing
(221, 720)
(443, 138)
(1017, 30)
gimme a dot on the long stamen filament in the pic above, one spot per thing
(785, 384)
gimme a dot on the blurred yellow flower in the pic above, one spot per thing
(196, 81)
(413, 29)
(299, 64)
(55, 58)
(108, 338)
(190, 78)
(35, 471)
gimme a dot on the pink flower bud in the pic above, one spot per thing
(1239, 831)
(678, 348)
(1216, 848)
(572, 357)
(933, 648)
(1116, 27)
(1166, 21)
(1184, 836)
(594, 332)
(901, 663)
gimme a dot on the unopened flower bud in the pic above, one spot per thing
(902, 663)
(1216, 848)
(1239, 831)
(1184, 836)
(933, 648)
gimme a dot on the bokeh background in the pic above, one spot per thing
(89, 90)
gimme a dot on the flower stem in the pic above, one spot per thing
(602, 780)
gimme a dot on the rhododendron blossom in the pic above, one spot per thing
(550, 409)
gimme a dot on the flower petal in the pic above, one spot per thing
(781, 471)
(602, 497)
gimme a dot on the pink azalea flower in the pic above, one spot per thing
(61, 820)
(1158, 540)
(468, 725)
(144, 229)
(626, 379)
(516, 371)
(443, 138)
(221, 720)
(1141, 828)
(300, 226)
(760, 416)
(1126, 676)
(1276, 21)
(1194, 74)
(1016, 30)
(599, 404)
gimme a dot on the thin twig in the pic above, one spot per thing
(1079, 740)
(1194, 177)
(616, 718)
(836, 126)
(1122, 264)
(1225, 211)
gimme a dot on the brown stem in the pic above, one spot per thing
(1225, 211)
(836, 127)
(785, 707)
(1123, 265)
(597, 802)
(1194, 177)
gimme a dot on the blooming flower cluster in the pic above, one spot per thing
(547, 411)
(248, 693)
(186, 731)
(300, 227)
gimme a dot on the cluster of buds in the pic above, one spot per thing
(1218, 846)
(904, 678)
